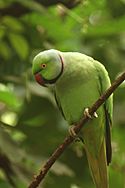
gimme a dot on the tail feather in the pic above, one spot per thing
(98, 167)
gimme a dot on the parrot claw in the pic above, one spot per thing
(86, 113)
(72, 132)
(95, 115)
(74, 135)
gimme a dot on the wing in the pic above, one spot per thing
(108, 135)
(58, 104)
(108, 107)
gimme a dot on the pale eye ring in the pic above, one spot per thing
(43, 66)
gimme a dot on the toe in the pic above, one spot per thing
(86, 113)
(95, 115)
(72, 132)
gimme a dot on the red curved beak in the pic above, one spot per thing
(39, 79)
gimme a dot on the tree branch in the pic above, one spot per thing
(17, 9)
(68, 140)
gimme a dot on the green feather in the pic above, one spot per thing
(81, 83)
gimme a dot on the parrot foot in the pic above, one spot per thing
(86, 113)
(74, 135)
(72, 132)
(95, 115)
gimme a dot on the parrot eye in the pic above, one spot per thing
(43, 66)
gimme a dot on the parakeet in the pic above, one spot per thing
(78, 81)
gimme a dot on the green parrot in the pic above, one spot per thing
(78, 81)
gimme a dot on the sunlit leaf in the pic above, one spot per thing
(8, 97)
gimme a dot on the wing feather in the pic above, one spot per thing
(108, 108)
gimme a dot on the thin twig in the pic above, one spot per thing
(68, 140)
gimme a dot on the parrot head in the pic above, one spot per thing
(47, 67)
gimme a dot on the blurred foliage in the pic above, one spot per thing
(31, 126)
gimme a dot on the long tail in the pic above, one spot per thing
(98, 167)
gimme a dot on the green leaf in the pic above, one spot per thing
(5, 51)
(2, 32)
(20, 45)
(4, 184)
(7, 97)
(108, 28)
(12, 24)
(33, 5)
(17, 160)
(3, 3)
